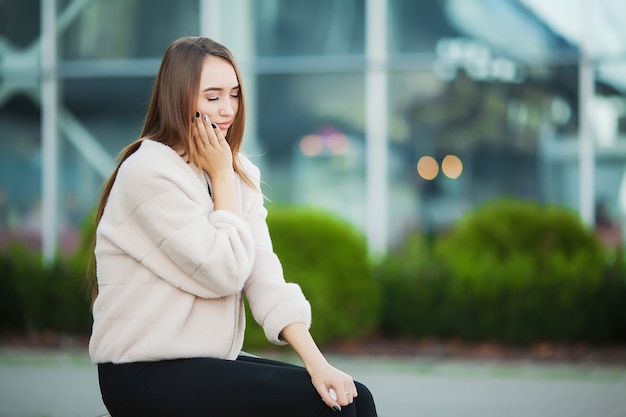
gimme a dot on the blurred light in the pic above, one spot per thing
(338, 143)
(427, 167)
(476, 59)
(504, 69)
(560, 110)
(311, 145)
(452, 166)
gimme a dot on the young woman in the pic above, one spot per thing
(181, 236)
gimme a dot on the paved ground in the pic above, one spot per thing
(62, 384)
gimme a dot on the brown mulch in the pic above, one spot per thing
(458, 349)
(393, 347)
(45, 340)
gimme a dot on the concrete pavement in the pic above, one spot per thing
(64, 384)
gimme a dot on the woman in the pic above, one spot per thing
(181, 235)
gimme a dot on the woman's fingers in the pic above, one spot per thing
(203, 133)
(207, 129)
(336, 397)
(330, 398)
(212, 134)
(350, 392)
(336, 388)
(200, 137)
(346, 396)
(211, 145)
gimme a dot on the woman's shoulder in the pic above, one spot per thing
(153, 156)
(154, 163)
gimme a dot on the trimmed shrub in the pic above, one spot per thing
(328, 258)
(413, 290)
(11, 311)
(40, 298)
(511, 271)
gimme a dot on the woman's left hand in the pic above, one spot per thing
(334, 386)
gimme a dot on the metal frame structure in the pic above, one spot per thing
(38, 67)
(55, 116)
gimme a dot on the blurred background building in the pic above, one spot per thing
(396, 115)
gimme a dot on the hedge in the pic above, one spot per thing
(325, 255)
(35, 298)
(511, 271)
(328, 258)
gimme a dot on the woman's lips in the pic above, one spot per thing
(223, 126)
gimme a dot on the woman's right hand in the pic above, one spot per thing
(216, 157)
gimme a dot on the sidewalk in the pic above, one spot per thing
(35, 383)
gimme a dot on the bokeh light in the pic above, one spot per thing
(311, 145)
(427, 167)
(452, 166)
(338, 143)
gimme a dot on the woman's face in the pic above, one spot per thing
(218, 97)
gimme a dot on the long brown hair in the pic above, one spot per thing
(170, 112)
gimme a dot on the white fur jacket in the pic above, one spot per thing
(171, 270)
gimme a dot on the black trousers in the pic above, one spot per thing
(246, 387)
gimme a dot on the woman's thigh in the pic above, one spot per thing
(213, 387)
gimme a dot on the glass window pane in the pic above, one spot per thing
(128, 28)
(19, 22)
(417, 26)
(20, 170)
(484, 139)
(20, 141)
(310, 130)
(110, 109)
(304, 27)
(92, 113)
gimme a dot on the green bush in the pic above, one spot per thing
(610, 314)
(11, 311)
(37, 298)
(413, 289)
(512, 271)
(328, 258)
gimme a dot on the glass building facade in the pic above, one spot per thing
(397, 115)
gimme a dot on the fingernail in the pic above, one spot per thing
(332, 394)
(337, 409)
(214, 125)
(197, 114)
(205, 118)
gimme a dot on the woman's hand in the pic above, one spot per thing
(335, 387)
(216, 159)
(216, 156)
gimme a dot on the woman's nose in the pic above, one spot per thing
(227, 109)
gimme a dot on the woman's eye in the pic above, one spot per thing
(212, 98)
(236, 95)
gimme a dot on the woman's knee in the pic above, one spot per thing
(364, 402)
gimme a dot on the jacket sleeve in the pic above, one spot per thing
(154, 215)
(274, 303)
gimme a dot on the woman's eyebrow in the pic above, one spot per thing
(219, 89)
